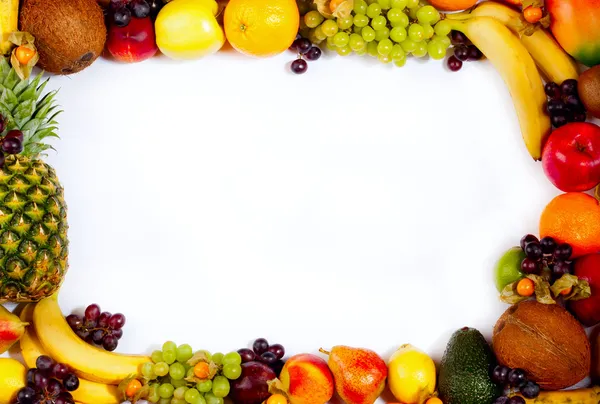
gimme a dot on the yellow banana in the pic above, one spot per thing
(9, 21)
(517, 68)
(87, 361)
(87, 392)
(549, 56)
(590, 395)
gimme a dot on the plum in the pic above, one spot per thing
(252, 386)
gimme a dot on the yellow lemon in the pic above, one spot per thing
(12, 379)
(411, 375)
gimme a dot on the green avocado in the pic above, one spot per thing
(465, 370)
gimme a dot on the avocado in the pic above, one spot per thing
(465, 370)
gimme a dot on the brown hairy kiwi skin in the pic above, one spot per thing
(69, 34)
(588, 88)
(544, 340)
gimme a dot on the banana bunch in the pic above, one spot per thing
(9, 21)
(99, 371)
(494, 29)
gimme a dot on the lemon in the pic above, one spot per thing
(411, 375)
(508, 268)
(12, 379)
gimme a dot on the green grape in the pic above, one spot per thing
(330, 44)
(341, 39)
(385, 4)
(313, 19)
(436, 50)
(412, 4)
(443, 39)
(397, 52)
(189, 372)
(320, 35)
(412, 13)
(345, 23)
(401, 4)
(312, 37)
(409, 46)
(191, 395)
(161, 369)
(208, 355)
(362, 52)
(368, 34)
(166, 390)
(378, 23)
(402, 22)
(220, 386)
(361, 20)
(398, 34)
(428, 30)
(180, 392)
(373, 10)
(204, 386)
(177, 401)
(169, 346)
(443, 28)
(169, 356)
(177, 371)
(384, 47)
(372, 48)
(231, 370)
(232, 358)
(421, 50)
(200, 400)
(344, 50)
(369, 2)
(148, 370)
(428, 15)
(382, 34)
(153, 396)
(356, 42)
(360, 7)
(416, 32)
(357, 30)
(157, 356)
(384, 59)
(393, 15)
(184, 353)
(329, 28)
(217, 357)
(164, 401)
(212, 399)
(178, 383)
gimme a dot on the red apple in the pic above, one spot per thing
(587, 311)
(571, 157)
(134, 43)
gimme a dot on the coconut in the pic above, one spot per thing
(545, 341)
(69, 34)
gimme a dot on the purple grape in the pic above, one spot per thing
(63, 399)
(60, 371)
(16, 134)
(140, 8)
(552, 90)
(268, 357)
(278, 350)
(530, 390)
(559, 120)
(117, 333)
(299, 66)
(71, 382)
(40, 380)
(533, 250)
(458, 37)
(548, 245)
(526, 240)
(579, 117)
(530, 266)
(555, 107)
(569, 87)
(2, 158)
(502, 400)
(574, 103)
(82, 333)
(461, 52)
(260, 346)
(103, 319)
(155, 6)
(560, 268)
(2, 123)
(110, 343)
(92, 312)
(563, 252)
(247, 355)
(54, 387)
(454, 64)
(516, 400)
(122, 17)
(26, 395)
(116, 321)
(474, 53)
(98, 336)
(74, 321)
(31, 376)
(12, 145)
(517, 377)
(500, 375)
(303, 45)
(44, 363)
(313, 53)
(277, 366)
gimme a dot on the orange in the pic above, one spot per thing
(573, 218)
(452, 5)
(434, 400)
(261, 28)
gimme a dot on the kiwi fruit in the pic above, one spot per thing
(589, 90)
(69, 34)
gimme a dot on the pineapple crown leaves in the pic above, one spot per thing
(23, 109)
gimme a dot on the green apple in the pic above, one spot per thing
(508, 268)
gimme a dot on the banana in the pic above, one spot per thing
(9, 20)
(549, 56)
(517, 68)
(65, 346)
(87, 392)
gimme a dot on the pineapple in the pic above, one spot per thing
(33, 214)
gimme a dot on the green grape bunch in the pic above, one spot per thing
(390, 30)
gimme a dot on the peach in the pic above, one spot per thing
(307, 379)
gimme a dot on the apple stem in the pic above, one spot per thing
(324, 351)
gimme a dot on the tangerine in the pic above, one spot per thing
(261, 28)
(573, 218)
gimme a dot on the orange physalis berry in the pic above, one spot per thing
(24, 54)
(133, 387)
(201, 370)
(532, 14)
(277, 399)
(334, 4)
(434, 400)
(525, 287)
(566, 291)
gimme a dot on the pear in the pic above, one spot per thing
(11, 329)
(359, 373)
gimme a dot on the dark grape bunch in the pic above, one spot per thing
(306, 51)
(515, 379)
(270, 355)
(101, 328)
(12, 142)
(545, 253)
(463, 51)
(48, 383)
(121, 11)
(564, 105)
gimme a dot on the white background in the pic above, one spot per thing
(216, 201)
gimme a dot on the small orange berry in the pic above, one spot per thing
(532, 14)
(434, 400)
(277, 399)
(24, 54)
(334, 4)
(566, 291)
(133, 387)
(525, 287)
(201, 370)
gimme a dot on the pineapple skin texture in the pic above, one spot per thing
(33, 230)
